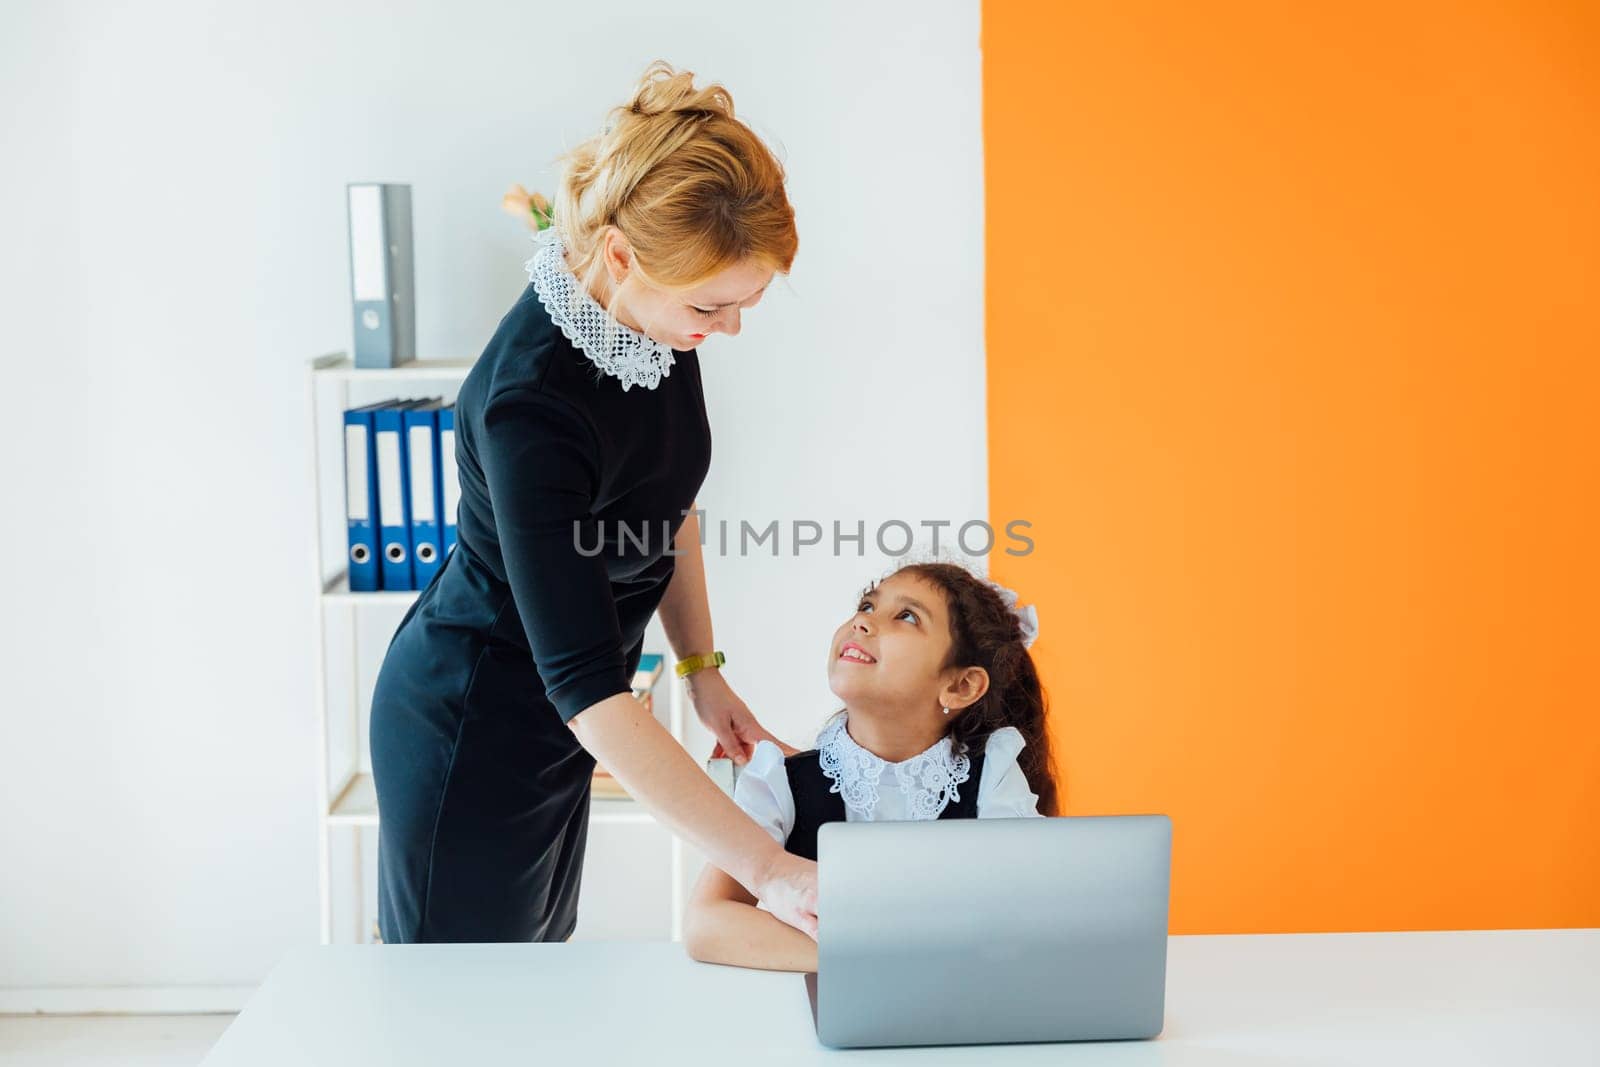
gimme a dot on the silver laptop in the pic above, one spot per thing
(978, 931)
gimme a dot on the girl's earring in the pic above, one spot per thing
(946, 710)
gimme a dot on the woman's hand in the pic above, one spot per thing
(789, 890)
(728, 717)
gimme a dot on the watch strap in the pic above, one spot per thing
(689, 664)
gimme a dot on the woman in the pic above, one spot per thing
(510, 675)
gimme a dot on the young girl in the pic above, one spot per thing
(943, 719)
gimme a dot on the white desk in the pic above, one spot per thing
(1492, 997)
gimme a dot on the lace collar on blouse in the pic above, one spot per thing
(928, 780)
(627, 355)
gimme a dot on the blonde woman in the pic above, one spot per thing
(510, 675)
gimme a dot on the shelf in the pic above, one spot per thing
(339, 366)
(357, 805)
(336, 590)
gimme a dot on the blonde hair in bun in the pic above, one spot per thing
(691, 188)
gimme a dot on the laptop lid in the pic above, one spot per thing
(967, 931)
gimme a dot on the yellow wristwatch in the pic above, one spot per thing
(690, 664)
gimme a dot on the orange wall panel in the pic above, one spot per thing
(1292, 347)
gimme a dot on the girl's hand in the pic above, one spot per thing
(789, 890)
(728, 717)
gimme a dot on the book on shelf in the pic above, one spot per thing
(649, 669)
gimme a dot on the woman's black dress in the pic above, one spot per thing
(483, 790)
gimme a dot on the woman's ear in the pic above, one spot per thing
(615, 253)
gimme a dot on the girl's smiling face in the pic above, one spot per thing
(888, 657)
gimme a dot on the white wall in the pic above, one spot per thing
(172, 198)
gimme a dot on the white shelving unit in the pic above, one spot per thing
(346, 797)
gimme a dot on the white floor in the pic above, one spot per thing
(108, 1040)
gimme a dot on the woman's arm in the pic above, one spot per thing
(541, 465)
(686, 617)
(684, 610)
(656, 771)
(723, 925)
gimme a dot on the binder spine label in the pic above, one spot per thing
(449, 476)
(420, 448)
(391, 510)
(357, 491)
(367, 243)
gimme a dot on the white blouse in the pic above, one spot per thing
(875, 790)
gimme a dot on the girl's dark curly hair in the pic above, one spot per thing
(984, 632)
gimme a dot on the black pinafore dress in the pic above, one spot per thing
(815, 805)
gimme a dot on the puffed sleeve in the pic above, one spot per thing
(541, 463)
(1003, 792)
(762, 790)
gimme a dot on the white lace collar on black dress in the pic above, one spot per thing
(629, 356)
(927, 780)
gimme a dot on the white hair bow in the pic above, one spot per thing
(1027, 617)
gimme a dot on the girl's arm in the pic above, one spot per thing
(723, 925)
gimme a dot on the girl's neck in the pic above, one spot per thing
(889, 737)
